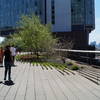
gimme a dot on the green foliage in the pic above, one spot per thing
(30, 57)
(33, 36)
(36, 36)
(75, 67)
(69, 63)
(18, 57)
(51, 64)
(43, 63)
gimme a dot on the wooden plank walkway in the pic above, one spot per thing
(39, 83)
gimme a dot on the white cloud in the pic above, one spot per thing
(1, 39)
(95, 35)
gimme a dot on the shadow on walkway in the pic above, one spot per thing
(9, 83)
(1, 82)
(14, 65)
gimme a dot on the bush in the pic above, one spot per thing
(69, 63)
(18, 57)
(29, 57)
(75, 67)
(55, 65)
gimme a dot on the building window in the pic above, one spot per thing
(35, 3)
(36, 13)
(52, 11)
(72, 10)
(78, 0)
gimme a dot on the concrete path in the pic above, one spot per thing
(40, 83)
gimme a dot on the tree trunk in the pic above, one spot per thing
(37, 56)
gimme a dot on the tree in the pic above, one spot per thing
(32, 36)
(35, 36)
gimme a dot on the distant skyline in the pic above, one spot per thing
(95, 35)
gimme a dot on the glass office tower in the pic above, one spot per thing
(83, 21)
(73, 19)
(11, 11)
(82, 14)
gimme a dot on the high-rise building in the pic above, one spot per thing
(70, 19)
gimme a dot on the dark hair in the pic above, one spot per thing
(7, 47)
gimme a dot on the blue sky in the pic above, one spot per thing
(95, 35)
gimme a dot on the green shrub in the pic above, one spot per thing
(69, 63)
(18, 57)
(75, 67)
(55, 65)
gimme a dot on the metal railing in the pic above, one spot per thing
(91, 76)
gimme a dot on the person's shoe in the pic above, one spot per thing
(9, 79)
(4, 79)
(1, 82)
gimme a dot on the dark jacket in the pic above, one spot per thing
(8, 58)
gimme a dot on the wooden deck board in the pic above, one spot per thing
(35, 83)
(81, 91)
(20, 95)
(38, 85)
(30, 91)
(13, 90)
(5, 89)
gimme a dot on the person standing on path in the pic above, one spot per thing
(1, 56)
(7, 63)
(13, 54)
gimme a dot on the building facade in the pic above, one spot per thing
(70, 19)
